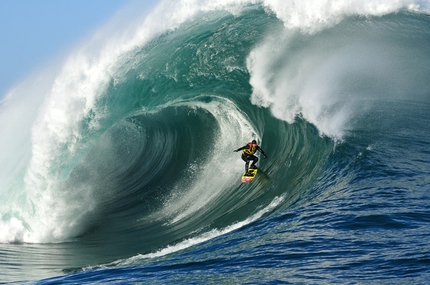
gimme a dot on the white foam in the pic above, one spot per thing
(307, 15)
(12, 231)
(313, 15)
(312, 82)
(195, 240)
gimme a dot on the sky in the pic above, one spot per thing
(33, 32)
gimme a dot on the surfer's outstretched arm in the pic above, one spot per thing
(241, 148)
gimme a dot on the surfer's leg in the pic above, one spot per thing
(246, 159)
(254, 161)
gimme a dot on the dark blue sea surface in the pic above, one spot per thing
(118, 168)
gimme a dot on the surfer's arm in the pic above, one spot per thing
(262, 151)
(241, 148)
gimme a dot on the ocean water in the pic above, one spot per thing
(117, 164)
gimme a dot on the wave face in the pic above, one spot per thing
(126, 154)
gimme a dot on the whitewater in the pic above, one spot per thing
(117, 163)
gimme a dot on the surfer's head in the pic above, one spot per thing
(254, 142)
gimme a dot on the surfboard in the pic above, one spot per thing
(253, 173)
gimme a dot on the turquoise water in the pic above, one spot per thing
(119, 168)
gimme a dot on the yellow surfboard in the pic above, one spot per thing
(253, 172)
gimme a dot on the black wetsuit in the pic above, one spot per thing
(248, 155)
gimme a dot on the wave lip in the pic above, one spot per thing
(313, 15)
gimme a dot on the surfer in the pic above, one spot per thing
(248, 155)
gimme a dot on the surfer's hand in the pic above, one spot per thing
(235, 150)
